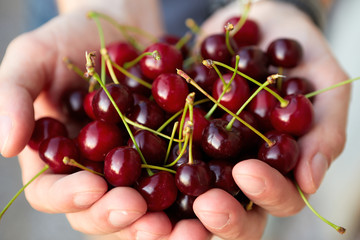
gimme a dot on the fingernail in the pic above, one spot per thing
(121, 218)
(142, 235)
(319, 166)
(214, 220)
(5, 128)
(251, 185)
(86, 199)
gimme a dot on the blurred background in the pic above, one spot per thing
(337, 199)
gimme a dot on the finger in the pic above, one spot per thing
(57, 193)
(225, 217)
(116, 210)
(267, 188)
(189, 229)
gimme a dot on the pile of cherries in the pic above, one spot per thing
(165, 136)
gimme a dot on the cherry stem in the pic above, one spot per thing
(105, 55)
(192, 25)
(182, 122)
(74, 163)
(340, 229)
(176, 124)
(147, 166)
(132, 63)
(279, 82)
(190, 124)
(46, 167)
(229, 27)
(269, 80)
(225, 88)
(181, 152)
(184, 40)
(312, 94)
(192, 82)
(124, 29)
(73, 67)
(242, 19)
(283, 102)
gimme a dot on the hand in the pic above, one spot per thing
(269, 190)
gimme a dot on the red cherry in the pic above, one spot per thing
(296, 118)
(249, 33)
(122, 166)
(44, 128)
(222, 171)
(199, 124)
(203, 76)
(296, 85)
(97, 138)
(173, 40)
(170, 60)
(214, 47)
(285, 52)
(87, 104)
(159, 190)
(170, 92)
(283, 155)
(53, 150)
(133, 85)
(73, 104)
(196, 154)
(236, 95)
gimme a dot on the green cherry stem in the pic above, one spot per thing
(192, 82)
(154, 54)
(340, 229)
(147, 166)
(71, 66)
(74, 163)
(184, 40)
(105, 55)
(176, 124)
(228, 28)
(192, 25)
(243, 18)
(46, 167)
(182, 152)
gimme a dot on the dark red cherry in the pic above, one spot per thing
(73, 104)
(222, 171)
(199, 124)
(170, 92)
(122, 166)
(218, 142)
(147, 113)
(203, 76)
(133, 85)
(261, 105)
(159, 190)
(182, 207)
(173, 40)
(214, 47)
(236, 94)
(151, 146)
(174, 153)
(283, 155)
(97, 138)
(194, 179)
(296, 118)
(296, 85)
(93, 165)
(253, 62)
(120, 53)
(170, 60)
(285, 52)
(249, 33)
(103, 107)
(87, 104)
(53, 150)
(44, 128)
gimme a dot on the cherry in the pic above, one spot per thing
(249, 33)
(122, 166)
(199, 124)
(120, 53)
(53, 150)
(296, 85)
(285, 52)
(103, 107)
(170, 91)
(158, 190)
(44, 128)
(92, 165)
(133, 85)
(73, 104)
(253, 62)
(218, 142)
(170, 59)
(182, 207)
(173, 40)
(235, 95)
(214, 47)
(222, 171)
(151, 146)
(97, 138)
(203, 76)
(194, 179)
(174, 153)
(296, 118)
(283, 155)
(87, 104)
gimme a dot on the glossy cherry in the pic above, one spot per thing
(222, 171)
(249, 33)
(182, 207)
(103, 107)
(158, 190)
(203, 76)
(283, 155)
(170, 91)
(122, 166)
(174, 153)
(214, 47)
(44, 128)
(87, 104)
(296, 118)
(133, 85)
(53, 150)
(285, 52)
(97, 138)
(170, 60)
(173, 40)
(73, 104)
(199, 124)
(296, 85)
